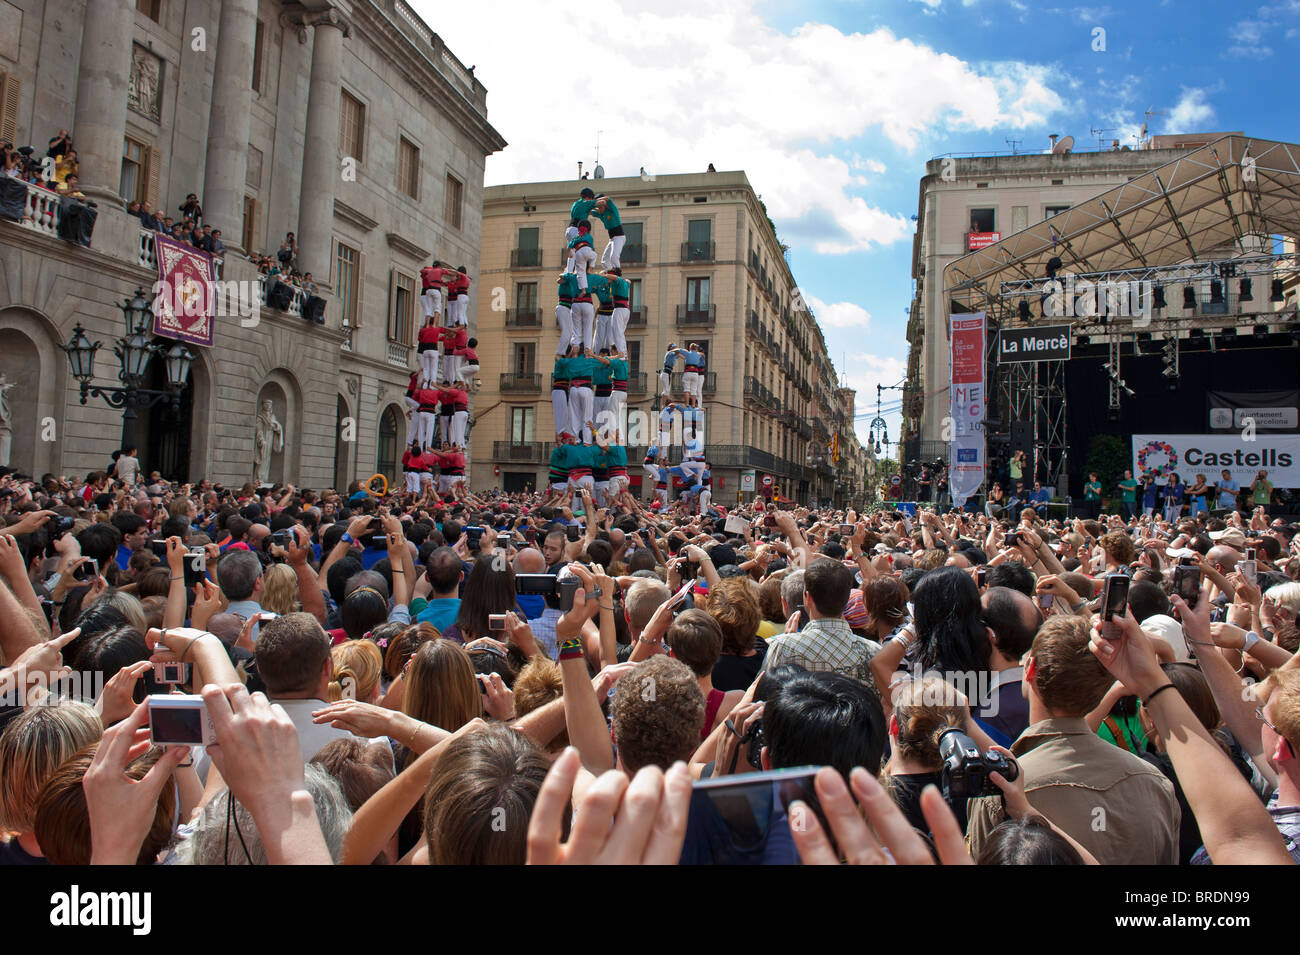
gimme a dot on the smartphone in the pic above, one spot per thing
(1114, 600)
(496, 621)
(473, 535)
(573, 532)
(732, 818)
(846, 530)
(180, 720)
(195, 567)
(1187, 583)
(1045, 601)
(1249, 567)
(982, 576)
(503, 541)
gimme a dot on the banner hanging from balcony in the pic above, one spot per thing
(183, 295)
(966, 403)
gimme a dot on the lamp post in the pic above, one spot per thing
(134, 351)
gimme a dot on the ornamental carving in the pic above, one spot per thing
(144, 89)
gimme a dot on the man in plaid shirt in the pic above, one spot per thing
(826, 643)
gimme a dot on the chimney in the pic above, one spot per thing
(1054, 137)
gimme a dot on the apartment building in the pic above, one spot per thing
(705, 265)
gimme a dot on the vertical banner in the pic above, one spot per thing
(183, 296)
(966, 407)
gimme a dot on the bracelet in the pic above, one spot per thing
(571, 649)
(181, 577)
(1147, 701)
(610, 608)
(648, 643)
(397, 570)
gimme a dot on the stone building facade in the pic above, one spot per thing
(349, 124)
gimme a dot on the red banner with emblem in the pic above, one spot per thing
(183, 295)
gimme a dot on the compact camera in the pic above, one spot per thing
(180, 720)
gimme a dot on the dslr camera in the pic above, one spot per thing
(964, 773)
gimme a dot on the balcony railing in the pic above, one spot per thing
(523, 318)
(752, 324)
(696, 314)
(523, 452)
(147, 254)
(399, 355)
(296, 295)
(753, 261)
(521, 384)
(699, 251)
(41, 212)
(633, 254)
(637, 317)
(803, 429)
(527, 258)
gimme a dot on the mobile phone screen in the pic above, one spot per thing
(1187, 584)
(745, 820)
(1116, 596)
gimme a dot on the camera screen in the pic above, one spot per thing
(176, 725)
(1188, 582)
(535, 584)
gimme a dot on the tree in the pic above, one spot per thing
(1108, 456)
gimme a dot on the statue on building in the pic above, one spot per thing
(6, 422)
(268, 438)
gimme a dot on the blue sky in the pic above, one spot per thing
(833, 109)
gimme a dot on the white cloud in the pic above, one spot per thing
(1191, 113)
(677, 85)
(838, 314)
(863, 372)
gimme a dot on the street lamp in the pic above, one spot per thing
(133, 351)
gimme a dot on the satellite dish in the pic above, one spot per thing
(599, 172)
(1064, 145)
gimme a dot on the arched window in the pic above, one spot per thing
(386, 465)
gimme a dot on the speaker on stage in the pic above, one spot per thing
(313, 309)
(1022, 437)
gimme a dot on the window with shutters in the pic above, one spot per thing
(151, 9)
(634, 356)
(259, 49)
(525, 358)
(521, 425)
(408, 167)
(526, 297)
(454, 201)
(402, 312)
(11, 91)
(697, 294)
(139, 167)
(352, 125)
(347, 283)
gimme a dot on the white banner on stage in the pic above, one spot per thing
(1209, 454)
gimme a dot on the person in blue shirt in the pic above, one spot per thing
(693, 376)
(1172, 496)
(670, 364)
(135, 536)
(666, 422)
(607, 212)
(445, 572)
(1040, 496)
(581, 208)
(1150, 493)
(602, 287)
(1228, 489)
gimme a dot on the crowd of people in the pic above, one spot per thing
(482, 677)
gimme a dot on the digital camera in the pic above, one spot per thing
(965, 770)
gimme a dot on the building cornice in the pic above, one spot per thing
(407, 247)
(353, 216)
(374, 25)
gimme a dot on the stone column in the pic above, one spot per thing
(228, 121)
(100, 118)
(320, 165)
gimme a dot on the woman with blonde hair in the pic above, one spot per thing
(441, 687)
(280, 590)
(358, 665)
(32, 747)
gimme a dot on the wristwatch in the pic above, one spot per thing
(1252, 638)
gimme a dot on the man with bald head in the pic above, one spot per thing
(530, 561)
(1223, 558)
(1011, 620)
(256, 534)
